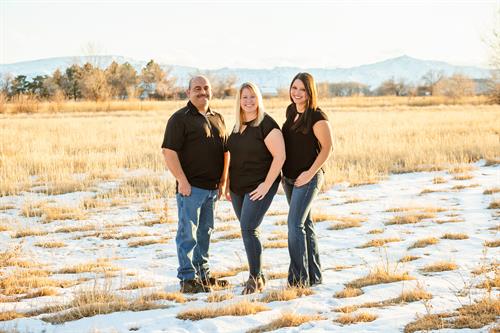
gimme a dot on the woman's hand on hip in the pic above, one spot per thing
(304, 178)
(260, 192)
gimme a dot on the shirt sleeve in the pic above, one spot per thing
(224, 135)
(174, 134)
(318, 115)
(267, 125)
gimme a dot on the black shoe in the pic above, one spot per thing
(213, 282)
(194, 287)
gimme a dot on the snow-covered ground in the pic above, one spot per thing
(343, 258)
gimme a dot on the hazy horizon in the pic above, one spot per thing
(243, 34)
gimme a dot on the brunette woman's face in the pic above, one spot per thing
(248, 101)
(298, 92)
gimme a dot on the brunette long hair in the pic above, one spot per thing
(303, 124)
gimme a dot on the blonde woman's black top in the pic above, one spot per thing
(250, 158)
(301, 148)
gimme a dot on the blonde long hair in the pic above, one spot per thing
(260, 107)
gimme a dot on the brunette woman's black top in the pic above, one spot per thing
(301, 149)
(250, 158)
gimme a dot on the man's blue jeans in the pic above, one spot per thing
(305, 267)
(250, 214)
(196, 223)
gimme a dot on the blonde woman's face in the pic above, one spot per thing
(298, 92)
(248, 101)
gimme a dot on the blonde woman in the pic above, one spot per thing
(257, 153)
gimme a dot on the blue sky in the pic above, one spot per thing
(255, 34)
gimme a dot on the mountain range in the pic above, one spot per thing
(269, 80)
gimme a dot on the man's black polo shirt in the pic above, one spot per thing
(200, 143)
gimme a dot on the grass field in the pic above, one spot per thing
(69, 151)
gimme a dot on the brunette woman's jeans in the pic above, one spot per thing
(305, 268)
(250, 214)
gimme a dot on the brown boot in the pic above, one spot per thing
(254, 285)
(193, 287)
(217, 283)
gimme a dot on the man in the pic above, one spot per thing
(194, 148)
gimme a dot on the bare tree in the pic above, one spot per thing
(431, 78)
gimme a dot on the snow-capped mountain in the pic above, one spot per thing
(404, 67)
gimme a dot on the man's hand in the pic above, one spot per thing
(184, 188)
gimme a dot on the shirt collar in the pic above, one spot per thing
(194, 110)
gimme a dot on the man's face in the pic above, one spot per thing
(200, 93)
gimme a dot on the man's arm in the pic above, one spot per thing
(174, 166)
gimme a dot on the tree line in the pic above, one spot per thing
(117, 81)
(122, 81)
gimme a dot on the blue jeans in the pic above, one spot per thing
(196, 223)
(305, 267)
(250, 214)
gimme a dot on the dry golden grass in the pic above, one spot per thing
(226, 227)
(51, 213)
(216, 297)
(409, 218)
(493, 243)
(177, 296)
(240, 308)
(462, 168)
(93, 203)
(495, 204)
(491, 282)
(285, 294)
(278, 235)
(440, 266)
(376, 231)
(465, 176)
(229, 272)
(345, 225)
(407, 296)
(146, 242)
(477, 315)
(78, 228)
(98, 301)
(228, 236)
(354, 200)
(100, 265)
(275, 245)
(408, 258)
(379, 275)
(438, 180)
(492, 190)
(24, 281)
(454, 236)
(286, 320)
(27, 232)
(277, 212)
(461, 187)
(423, 209)
(349, 292)
(10, 315)
(428, 190)
(361, 317)
(379, 242)
(281, 222)
(33, 209)
(451, 220)
(370, 142)
(137, 285)
(276, 275)
(44, 291)
(50, 244)
(424, 242)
